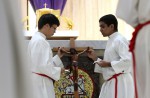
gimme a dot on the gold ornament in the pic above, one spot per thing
(42, 11)
(68, 22)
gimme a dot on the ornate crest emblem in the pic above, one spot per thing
(64, 88)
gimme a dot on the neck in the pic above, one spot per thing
(42, 31)
(112, 33)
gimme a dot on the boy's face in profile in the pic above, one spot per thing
(51, 29)
(105, 29)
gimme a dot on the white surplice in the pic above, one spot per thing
(135, 12)
(43, 62)
(117, 53)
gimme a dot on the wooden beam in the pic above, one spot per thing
(72, 43)
(79, 49)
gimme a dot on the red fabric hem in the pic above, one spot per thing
(116, 83)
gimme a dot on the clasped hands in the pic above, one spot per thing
(91, 54)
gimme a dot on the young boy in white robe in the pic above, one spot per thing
(137, 14)
(116, 65)
(45, 67)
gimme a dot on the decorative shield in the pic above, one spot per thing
(64, 88)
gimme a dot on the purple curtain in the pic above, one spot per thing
(52, 4)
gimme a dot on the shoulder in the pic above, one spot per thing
(120, 39)
(38, 42)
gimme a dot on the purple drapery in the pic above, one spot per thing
(52, 4)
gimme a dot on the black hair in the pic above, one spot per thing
(110, 19)
(48, 19)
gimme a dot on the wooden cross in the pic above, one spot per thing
(45, 5)
(74, 57)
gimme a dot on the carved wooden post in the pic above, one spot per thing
(74, 61)
(74, 66)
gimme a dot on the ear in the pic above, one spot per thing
(46, 25)
(112, 26)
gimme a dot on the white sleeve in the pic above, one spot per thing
(42, 62)
(57, 61)
(125, 62)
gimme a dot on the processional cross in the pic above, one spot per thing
(74, 59)
(45, 4)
